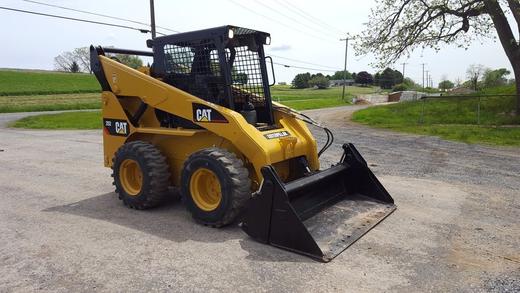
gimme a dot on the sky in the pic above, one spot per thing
(310, 32)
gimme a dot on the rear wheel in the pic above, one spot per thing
(141, 175)
(215, 186)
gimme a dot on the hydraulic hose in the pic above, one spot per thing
(309, 120)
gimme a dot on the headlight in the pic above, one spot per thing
(268, 40)
(231, 34)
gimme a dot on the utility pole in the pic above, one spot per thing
(344, 68)
(423, 75)
(404, 64)
(152, 18)
(427, 79)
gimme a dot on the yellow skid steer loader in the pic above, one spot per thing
(201, 119)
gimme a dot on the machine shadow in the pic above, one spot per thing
(170, 221)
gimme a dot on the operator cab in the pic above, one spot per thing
(223, 65)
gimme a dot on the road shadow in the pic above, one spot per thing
(259, 252)
(170, 221)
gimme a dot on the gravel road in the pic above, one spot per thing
(456, 227)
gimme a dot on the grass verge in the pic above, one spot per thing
(20, 82)
(10, 104)
(69, 120)
(452, 119)
(304, 99)
(474, 134)
(298, 99)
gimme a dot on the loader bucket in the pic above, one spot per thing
(322, 214)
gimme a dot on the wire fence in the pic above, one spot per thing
(468, 109)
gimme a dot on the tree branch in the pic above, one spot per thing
(505, 34)
(514, 5)
(397, 27)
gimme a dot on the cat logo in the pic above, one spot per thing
(116, 127)
(121, 128)
(205, 114)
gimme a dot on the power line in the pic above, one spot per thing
(293, 19)
(332, 69)
(300, 67)
(345, 67)
(307, 16)
(304, 62)
(76, 19)
(97, 14)
(164, 28)
(423, 75)
(404, 66)
(275, 20)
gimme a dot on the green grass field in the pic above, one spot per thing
(29, 91)
(68, 120)
(303, 99)
(19, 82)
(34, 103)
(454, 118)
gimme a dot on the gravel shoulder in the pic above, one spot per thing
(456, 227)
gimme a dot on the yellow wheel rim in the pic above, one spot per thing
(131, 177)
(205, 189)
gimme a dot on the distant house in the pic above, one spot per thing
(339, 82)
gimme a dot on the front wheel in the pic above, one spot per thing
(215, 186)
(141, 175)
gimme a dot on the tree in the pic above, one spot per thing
(240, 78)
(364, 78)
(389, 77)
(81, 56)
(63, 62)
(321, 82)
(400, 87)
(74, 67)
(474, 73)
(377, 78)
(411, 84)
(395, 28)
(340, 74)
(446, 85)
(497, 77)
(129, 60)
(301, 80)
(398, 76)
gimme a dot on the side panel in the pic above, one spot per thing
(177, 148)
(113, 112)
(176, 144)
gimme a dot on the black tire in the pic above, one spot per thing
(155, 174)
(234, 181)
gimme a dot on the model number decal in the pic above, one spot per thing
(278, 134)
(116, 127)
(203, 113)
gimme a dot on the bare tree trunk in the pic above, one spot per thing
(507, 39)
(516, 69)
